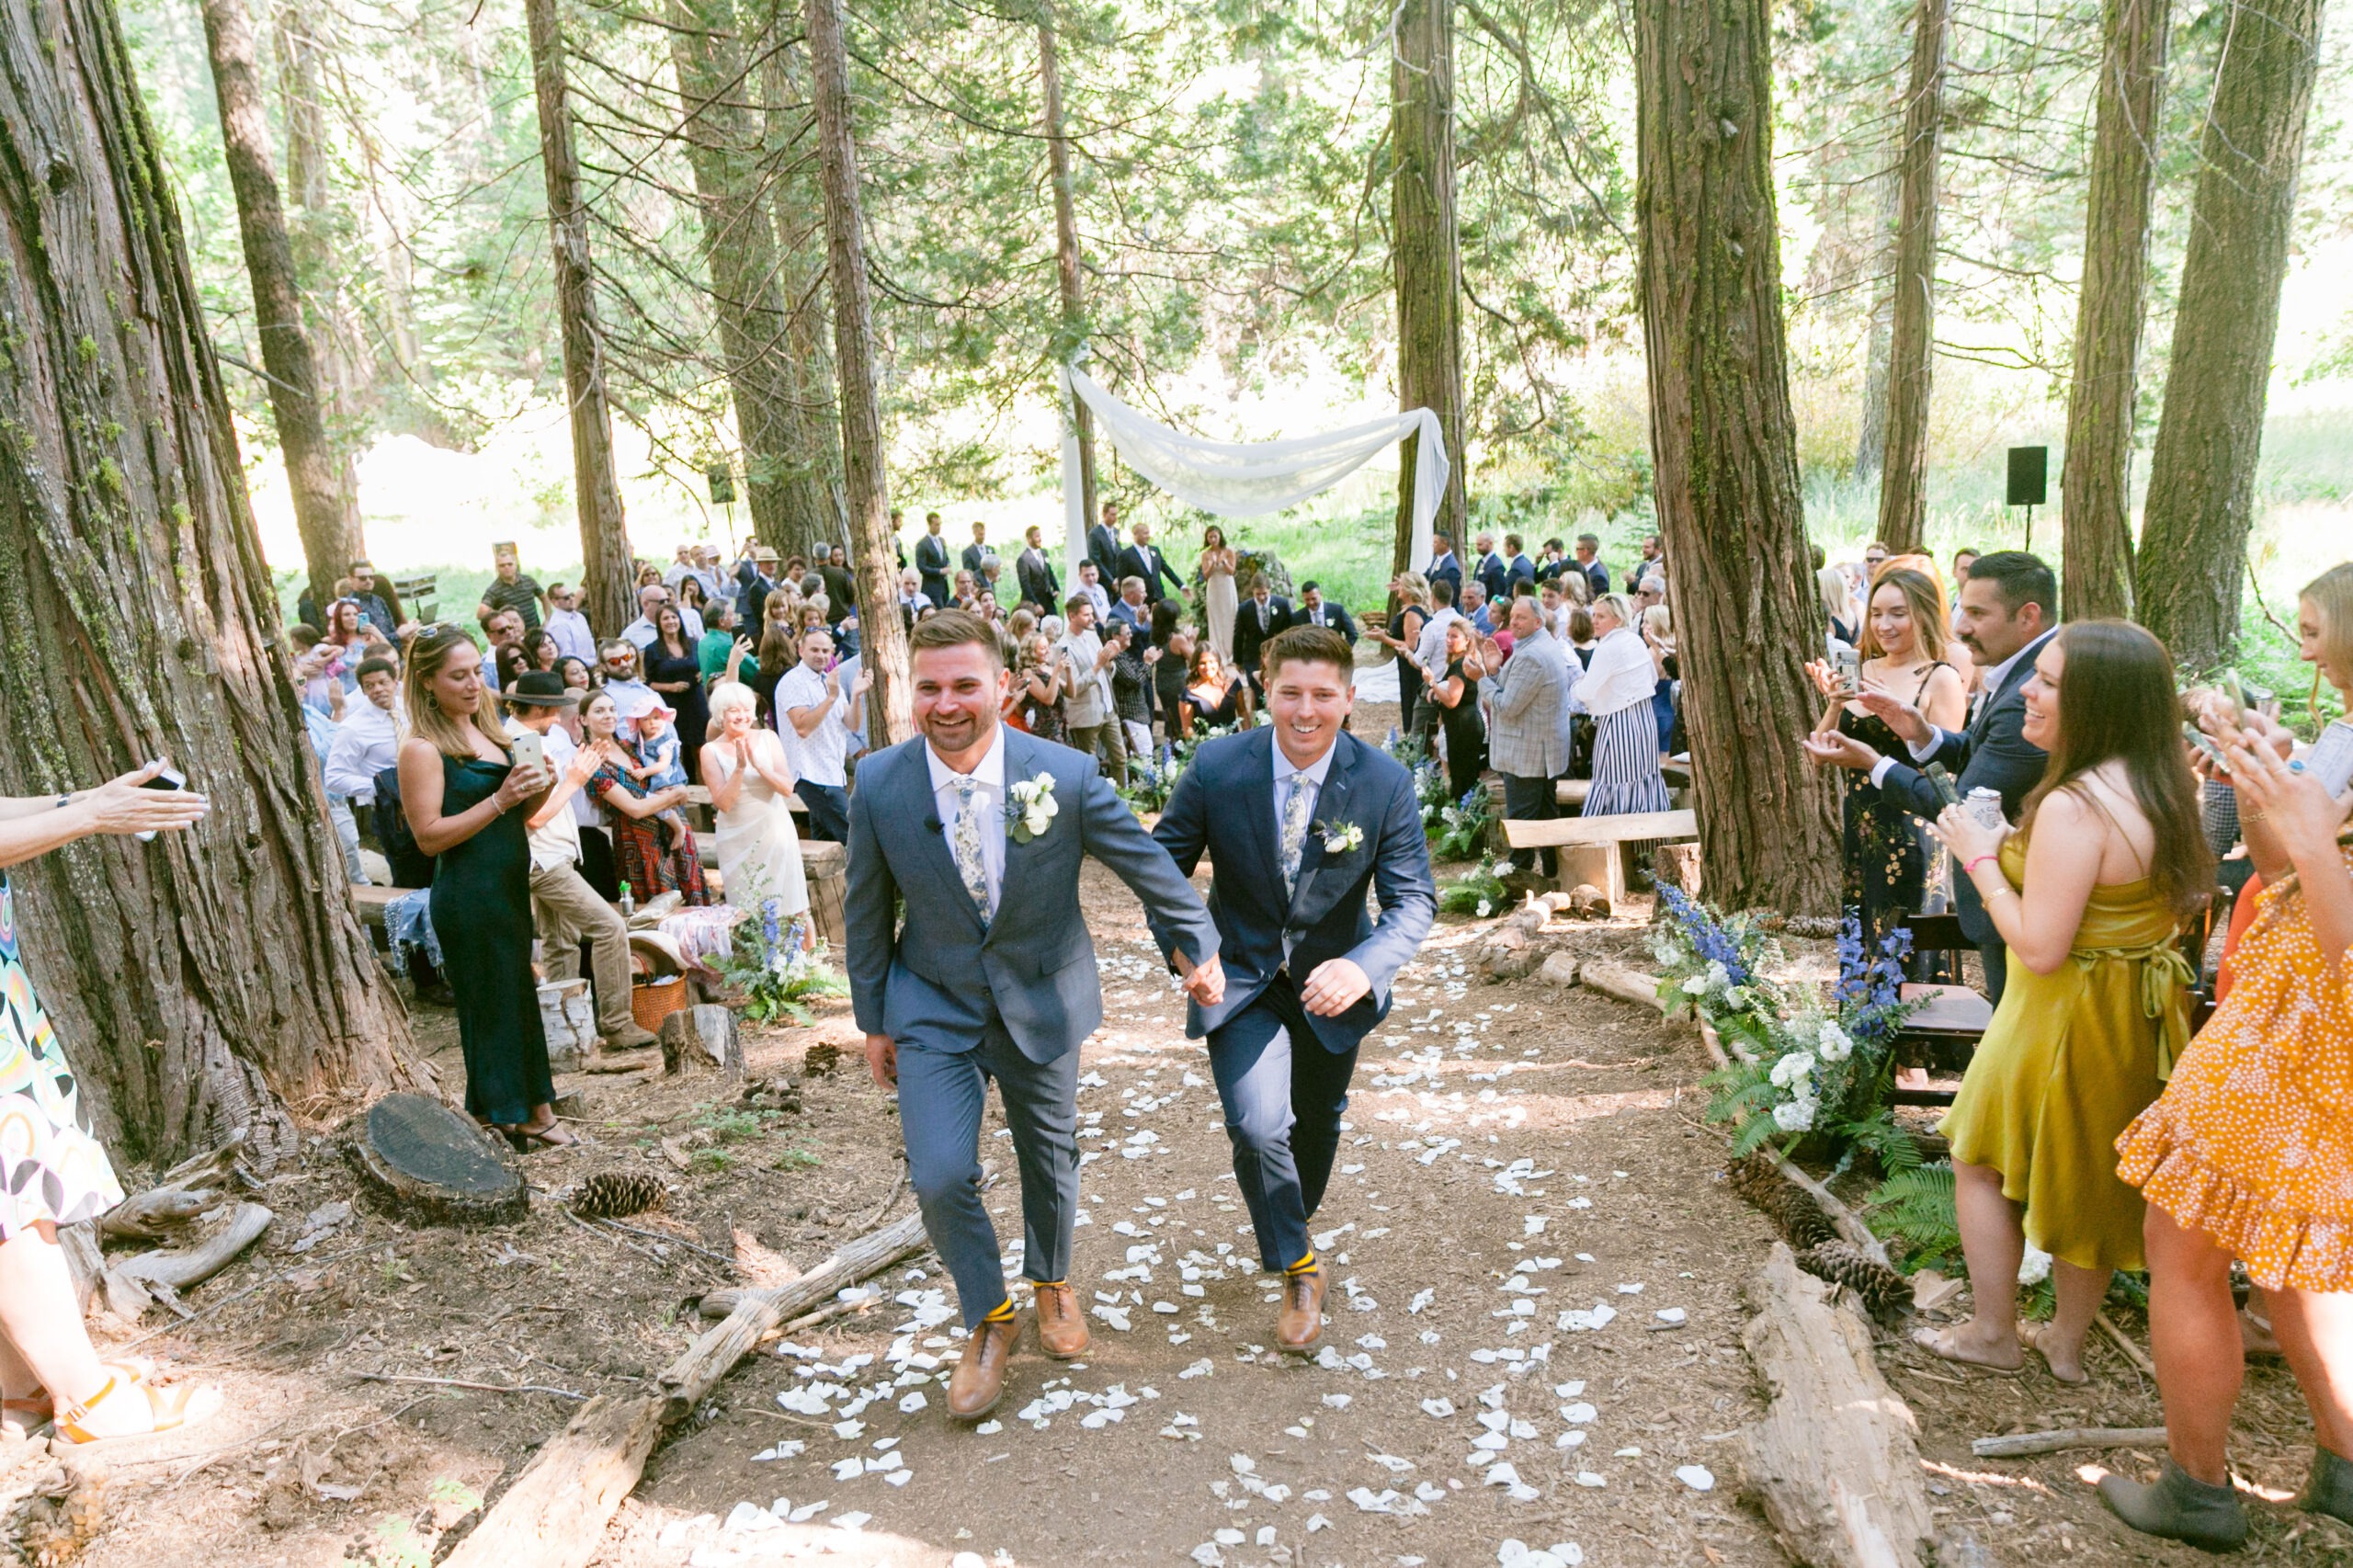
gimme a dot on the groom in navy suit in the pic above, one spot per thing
(1300, 819)
(990, 974)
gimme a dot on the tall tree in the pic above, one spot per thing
(2096, 475)
(882, 634)
(1871, 436)
(1425, 254)
(199, 980)
(2201, 475)
(1912, 349)
(1068, 277)
(796, 208)
(608, 579)
(723, 146)
(1725, 448)
(319, 474)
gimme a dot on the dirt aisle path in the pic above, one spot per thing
(1534, 1326)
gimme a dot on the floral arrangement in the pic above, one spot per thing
(1153, 780)
(1479, 892)
(1801, 1064)
(775, 970)
(1035, 801)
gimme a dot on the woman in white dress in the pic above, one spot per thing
(1219, 599)
(744, 770)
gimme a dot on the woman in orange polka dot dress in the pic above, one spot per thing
(2248, 1154)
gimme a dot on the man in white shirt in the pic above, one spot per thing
(1094, 720)
(650, 600)
(503, 626)
(564, 907)
(1090, 584)
(365, 744)
(568, 626)
(814, 706)
(1431, 652)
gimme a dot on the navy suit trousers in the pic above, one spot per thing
(1284, 1095)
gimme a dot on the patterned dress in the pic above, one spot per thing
(51, 1167)
(653, 855)
(1886, 848)
(2252, 1140)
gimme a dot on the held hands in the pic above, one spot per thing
(1830, 748)
(120, 805)
(1336, 985)
(1204, 983)
(1968, 838)
(882, 1060)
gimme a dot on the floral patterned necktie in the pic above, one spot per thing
(1294, 833)
(967, 845)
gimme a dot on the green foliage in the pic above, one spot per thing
(1460, 830)
(775, 973)
(1916, 1206)
(1478, 892)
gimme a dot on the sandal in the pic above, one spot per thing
(168, 1410)
(526, 1138)
(1945, 1345)
(2031, 1335)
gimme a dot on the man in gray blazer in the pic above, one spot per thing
(989, 973)
(1527, 735)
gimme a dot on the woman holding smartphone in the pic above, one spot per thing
(461, 791)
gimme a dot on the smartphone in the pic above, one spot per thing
(531, 751)
(169, 779)
(2205, 742)
(1942, 779)
(1847, 664)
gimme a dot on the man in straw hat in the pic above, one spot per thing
(564, 906)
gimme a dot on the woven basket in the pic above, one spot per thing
(651, 1001)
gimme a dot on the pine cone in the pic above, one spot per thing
(1881, 1289)
(821, 1059)
(1792, 1208)
(611, 1194)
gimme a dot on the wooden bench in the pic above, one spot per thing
(1588, 847)
(418, 596)
(369, 902)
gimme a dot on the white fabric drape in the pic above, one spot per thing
(1238, 479)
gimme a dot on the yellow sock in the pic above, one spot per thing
(1305, 1266)
(1004, 1313)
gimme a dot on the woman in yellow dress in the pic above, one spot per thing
(2088, 895)
(2249, 1152)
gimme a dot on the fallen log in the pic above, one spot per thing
(1836, 1459)
(185, 1191)
(182, 1269)
(2021, 1445)
(555, 1514)
(1626, 984)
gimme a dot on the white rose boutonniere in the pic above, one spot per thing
(1034, 808)
(1340, 839)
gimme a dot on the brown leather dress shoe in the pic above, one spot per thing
(978, 1382)
(1300, 1325)
(1062, 1328)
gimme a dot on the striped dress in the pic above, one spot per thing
(1626, 777)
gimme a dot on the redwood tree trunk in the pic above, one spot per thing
(2201, 475)
(325, 494)
(1746, 616)
(608, 580)
(1066, 264)
(197, 980)
(1425, 255)
(882, 635)
(1912, 351)
(739, 249)
(814, 500)
(2096, 475)
(316, 231)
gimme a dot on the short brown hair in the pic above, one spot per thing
(1308, 645)
(954, 628)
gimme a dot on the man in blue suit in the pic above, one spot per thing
(979, 831)
(1445, 566)
(1300, 819)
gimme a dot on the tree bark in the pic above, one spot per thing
(1425, 256)
(1725, 449)
(818, 504)
(197, 979)
(1912, 351)
(1871, 436)
(2201, 474)
(1069, 279)
(608, 580)
(2096, 475)
(324, 490)
(882, 634)
(739, 250)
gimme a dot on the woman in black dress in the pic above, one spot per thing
(674, 668)
(1412, 591)
(1457, 698)
(1219, 698)
(466, 804)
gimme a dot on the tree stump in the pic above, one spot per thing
(702, 1036)
(1676, 866)
(419, 1158)
(568, 1019)
(826, 868)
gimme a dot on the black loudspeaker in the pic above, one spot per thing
(723, 485)
(2029, 476)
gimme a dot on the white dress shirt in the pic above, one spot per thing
(988, 802)
(1099, 599)
(573, 638)
(820, 755)
(1431, 652)
(366, 743)
(555, 842)
(1316, 771)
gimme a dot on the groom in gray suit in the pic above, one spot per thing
(990, 974)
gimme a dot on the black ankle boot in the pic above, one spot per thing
(2178, 1506)
(2330, 1490)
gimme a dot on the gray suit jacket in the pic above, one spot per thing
(933, 975)
(1530, 735)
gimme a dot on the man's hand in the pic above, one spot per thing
(1204, 983)
(1906, 720)
(1336, 985)
(882, 1060)
(1831, 749)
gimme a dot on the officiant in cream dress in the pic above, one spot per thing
(743, 768)
(1219, 599)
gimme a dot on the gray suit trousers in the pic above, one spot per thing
(941, 1094)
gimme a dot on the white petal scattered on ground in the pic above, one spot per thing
(913, 1402)
(1601, 1316)
(1317, 1522)
(786, 1451)
(1591, 1477)
(1579, 1413)
(1337, 1401)
(808, 1511)
(849, 1468)
(852, 1521)
(748, 1516)
(1200, 1368)
(1441, 1408)
(1697, 1477)
(1533, 1225)
(1228, 1537)
(1392, 1463)
(1630, 1290)
(1209, 1556)
(1670, 1315)
(989, 1429)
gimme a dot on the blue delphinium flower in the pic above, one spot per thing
(1709, 938)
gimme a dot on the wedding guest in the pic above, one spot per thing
(1410, 591)
(501, 631)
(1132, 659)
(366, 743)
(1455, 695)
(931, 559)
(640, 632)
(1581, 640)
(568, 626)
(978, 551)
(1090, 582)
(1529, 740)
(1214, 694)
(725, 652)
(460, 791)
(1430, 650)
(1142, 560)
(1262, 617)
(1837, 607)
(1657, 626)
(749, 778)
(1314, 611)
(674, 669)
(1035, 573)
(1094, 724)
(1169, 679)
(1595, 575)
(509, 660)
(1475, 609)
(1444, 567)
(1489, 572)
(2087, 894)
(1518, 568)
(816, 704)
(376, 598)
(1038, 690)
(579, 679)
(510, 589)
(653, 849)
(1103, 544)
(1216, 570)
(618, 679)
(1615, 690)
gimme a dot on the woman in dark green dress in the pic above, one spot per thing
(467, 804)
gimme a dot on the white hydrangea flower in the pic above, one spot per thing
(1737, 998)
(1836, 1045)
(1696, 985)
(1796, 1068)
(2035, 1266)
(1719, 977)
(1794, 1116)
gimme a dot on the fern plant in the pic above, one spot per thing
(1916, 1206)
(1478, 892)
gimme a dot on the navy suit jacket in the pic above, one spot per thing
(1992, 753)
(1249, 642)
(1103, 549)
(1335, 619)
(1448, 568)
(931, 563)
(1519, 570)
(1133, 564)
(1224, 804)
(932, 978)
(1495, 577)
